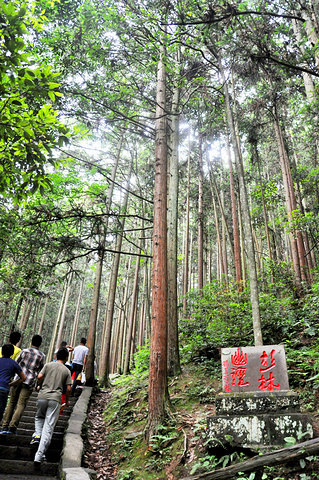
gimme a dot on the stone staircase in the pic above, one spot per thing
(16, 453)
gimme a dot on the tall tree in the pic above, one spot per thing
(158, 347)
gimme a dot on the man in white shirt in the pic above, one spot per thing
(80, 355)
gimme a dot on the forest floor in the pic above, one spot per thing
(115, 444)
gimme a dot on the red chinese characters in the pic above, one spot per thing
(268, 362)
(226, 376)
(238, 371)
(254, 369)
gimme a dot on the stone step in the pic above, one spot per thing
(14, 452)
(21, 476)
(28, 416)
(28, 432)
(31, 411)
(29, 425)
(18, 466)
(24, 440)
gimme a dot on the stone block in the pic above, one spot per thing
(258, 431)
(257, 403)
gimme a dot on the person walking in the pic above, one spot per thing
(31, 360)
(14, 338)
(8, 369)
(65, 345)
(51, 380)
(80, 355)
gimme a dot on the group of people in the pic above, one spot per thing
(22, 371)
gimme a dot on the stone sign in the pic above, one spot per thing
(254, 369)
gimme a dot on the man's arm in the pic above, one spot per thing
(67, 395)
(39, 381)
(18, 380)
(84, 361)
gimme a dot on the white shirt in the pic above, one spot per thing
(79, 353)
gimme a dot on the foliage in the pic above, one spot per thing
(217, 317)
(142, 359)
(29, 127)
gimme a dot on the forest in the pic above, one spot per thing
(159, 188)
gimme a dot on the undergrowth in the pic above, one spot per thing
(179, 443)
(181, 447)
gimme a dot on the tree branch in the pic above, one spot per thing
(286, 64)
(102, 171)
(237, 13)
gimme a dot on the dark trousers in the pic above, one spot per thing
(77, 368)
(3, 401)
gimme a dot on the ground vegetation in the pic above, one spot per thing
(181, 447)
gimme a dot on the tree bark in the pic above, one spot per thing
(236, 235)
(200, 242)
(173, 361)
(186, 249)
(158, 350)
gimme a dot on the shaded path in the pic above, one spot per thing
(97, 455)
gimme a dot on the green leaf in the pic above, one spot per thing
(51, 95)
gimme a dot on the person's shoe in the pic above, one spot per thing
(12, 430)
(35, 440)
(37, 466)
(4, 431)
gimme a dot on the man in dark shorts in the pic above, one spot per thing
(80, 355)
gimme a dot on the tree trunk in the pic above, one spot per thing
(290, 201)
(16, 315)
(56, 325)
(236, 234)
(200, 215)
(122, 320)
(59, 336)
(307, 78)
(220, 203)
(173, 361)
(186, 250)
(158, 350)
(108, 321)
(254, 295)
(264, 209)
(43, 315)
(97, 279)
(77, 315)
(130, 335)
(24, 320)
